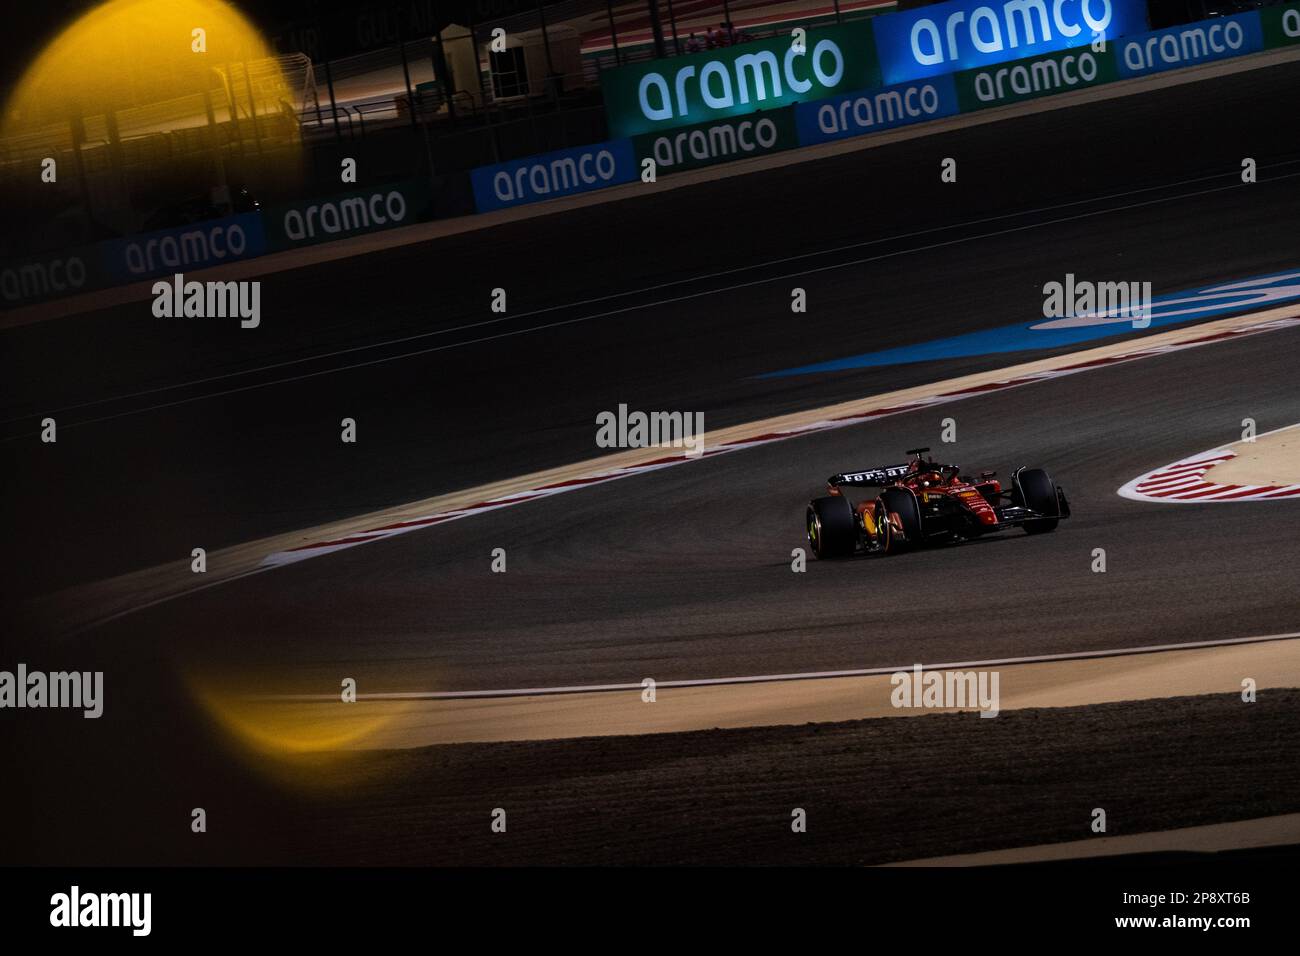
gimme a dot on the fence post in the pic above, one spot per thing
(656, 28)
(78, 124)
(252, 107)
(442, 72)
(334, 107)
(233, 107)
(483, 90)
(406, 77)
(329, 77)
(550, 64)
(613, 32)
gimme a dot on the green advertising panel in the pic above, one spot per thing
(1034, 76)
(735, 137)
(311, 221)
(765, 74)
(1281, 25)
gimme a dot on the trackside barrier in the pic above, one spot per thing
(1033, 77)
(311, 221)
(968, 34)
(1190, 44)
(657, 95)
(212, 242)
(704, 144)
(1281, 26)
(121, 261)
(184, 248)
(870, 111)
(931, 97)
(730, 133)
(51, 276)
(550, 175)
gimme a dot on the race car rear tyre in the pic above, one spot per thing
(1036, 491)
(832, 529)
(903, 503)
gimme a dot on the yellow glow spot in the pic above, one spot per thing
(285, 729)
(127, 72)
(303, 745)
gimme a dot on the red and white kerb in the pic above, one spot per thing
(1188, 481)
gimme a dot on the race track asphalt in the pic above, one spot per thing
(686, 573)
(148, 479)
(683, 573)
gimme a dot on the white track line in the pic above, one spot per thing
(772, 678)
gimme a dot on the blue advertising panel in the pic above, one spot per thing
(963, 34)
(1190, 44)
(186, 248)
(562, 173)
(868, 111)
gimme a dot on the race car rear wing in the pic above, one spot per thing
(870, 477)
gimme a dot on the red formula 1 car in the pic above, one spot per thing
(924, 502)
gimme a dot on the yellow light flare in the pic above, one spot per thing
(304, 746)
(137, 61)
(282, 729)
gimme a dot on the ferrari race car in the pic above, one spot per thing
(923, 502)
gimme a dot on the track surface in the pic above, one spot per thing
(137, 490)
(684, 573)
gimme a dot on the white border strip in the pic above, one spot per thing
(774, 678)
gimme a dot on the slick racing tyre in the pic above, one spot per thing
(1036, 491)
(832, 529)
(903, 503)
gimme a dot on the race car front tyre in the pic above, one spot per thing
(903, 503)
(832, 529)
(1036, 491)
